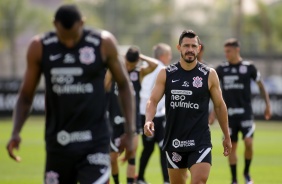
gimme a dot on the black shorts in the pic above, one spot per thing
(159, 123)
(247, 127)
(181, 160)
(70, 168)
(118, 130)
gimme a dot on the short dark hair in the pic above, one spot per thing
(189, 34)
(232, 42)
(67, 15)
(132, 54)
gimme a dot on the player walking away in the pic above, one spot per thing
(73, 61)
(136, 74)
(162, 52)
(235, 76)
(188, 86)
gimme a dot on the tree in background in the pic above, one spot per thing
(17, 16)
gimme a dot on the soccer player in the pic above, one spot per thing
(188, 86)
(162, 52)
(136, 74)
(73, 60)
(235, 76)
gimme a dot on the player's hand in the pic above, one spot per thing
(149, 128)
(14, 143)
(126, 143)
(267, 112)
(227, 146)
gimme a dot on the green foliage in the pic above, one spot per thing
(266, 166)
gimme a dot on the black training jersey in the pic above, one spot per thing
(187, 107)
(236, 87)
(75, 96)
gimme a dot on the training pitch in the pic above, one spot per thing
(266, 166)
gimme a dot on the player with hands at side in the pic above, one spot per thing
(188, 86)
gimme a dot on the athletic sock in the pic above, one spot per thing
(233, 168)
(247, 166)
(130, 180)
(115, 177)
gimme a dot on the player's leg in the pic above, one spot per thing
(177, 164)
(232, 158)
(248, 128)
(60, 168)
(159, 136)
(114, 154)
(131, 163)
(114, 166)
(177, 176)
(148, 148)
(200, 173)
(199, 163)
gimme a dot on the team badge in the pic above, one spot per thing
(133, 76)
(197, 82)
(52, 177)
(86, 55)
(176, 157)
(243, 69)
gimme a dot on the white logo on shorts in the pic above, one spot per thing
(51, 177)
(176, 157)
(99, 159)
(201, 150)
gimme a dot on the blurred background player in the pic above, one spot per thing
(73, 60)
(136, 74)
(162, 52)
(235, 76)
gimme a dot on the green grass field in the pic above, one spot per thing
(266, 166)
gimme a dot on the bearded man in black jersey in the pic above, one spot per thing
(74, 60)
(188, 86)
(235, 76)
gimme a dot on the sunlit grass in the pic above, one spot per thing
(266, 166)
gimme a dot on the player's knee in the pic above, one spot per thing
(131, 161)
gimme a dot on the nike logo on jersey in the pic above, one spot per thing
(201, 150)
(175, 80)
(55, 57)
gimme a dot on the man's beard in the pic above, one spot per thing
(189, 60)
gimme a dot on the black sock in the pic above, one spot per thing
(234, 172)
(247, 166)
(130, 180)
(115, 177)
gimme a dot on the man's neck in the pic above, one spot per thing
(188, 66)
(236, 60)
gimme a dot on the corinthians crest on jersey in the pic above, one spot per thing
(87, 55)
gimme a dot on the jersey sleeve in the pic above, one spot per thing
(255, 74)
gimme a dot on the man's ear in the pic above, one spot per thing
(178, 47)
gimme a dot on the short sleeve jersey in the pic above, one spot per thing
(75, 97)
(236, 87)
(187, 103)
